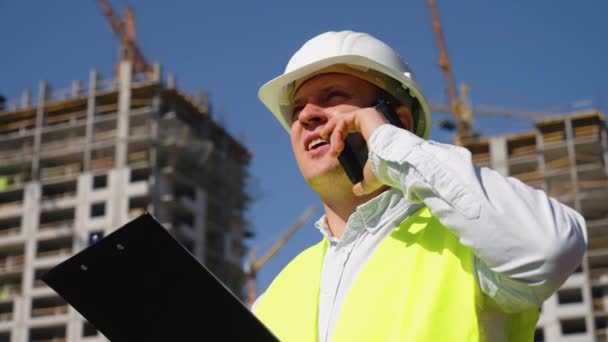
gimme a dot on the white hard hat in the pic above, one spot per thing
(364, 55)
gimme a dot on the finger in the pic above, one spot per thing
(327, 130)
(337, 138)
(369, 183)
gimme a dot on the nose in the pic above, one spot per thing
(312, 115)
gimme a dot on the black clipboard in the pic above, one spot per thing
(140, 284)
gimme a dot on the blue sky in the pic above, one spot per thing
(520, 55)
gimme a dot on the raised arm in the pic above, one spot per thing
(526, 244)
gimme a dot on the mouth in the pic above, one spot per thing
(316, 143)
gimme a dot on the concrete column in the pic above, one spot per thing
(541, 158)
(91, 104)
(604, 142)
(26, 99)
(43, 94)
(124, 107)
(586, 287)
(82, 211)
(572, 159)
(552, 327)
(588, 300)
(156, 72)
(499, 156)
(200, 223)
(171, 81)
(161, 187)
(29, 227)
(154, 151)
(76, 89)
(73, 328)
(81, 234)
(118, 204)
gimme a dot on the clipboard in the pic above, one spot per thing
(140, 284)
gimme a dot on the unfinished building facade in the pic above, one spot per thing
(567, 157)
(77, 164)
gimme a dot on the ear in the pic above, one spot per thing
(405, 115)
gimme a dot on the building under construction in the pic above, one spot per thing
(567, 157)
(77, 164)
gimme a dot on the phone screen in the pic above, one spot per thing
(354, 155)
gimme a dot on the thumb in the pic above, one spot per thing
(369, 183)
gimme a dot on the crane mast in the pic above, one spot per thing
(125, 30)
(463, 127)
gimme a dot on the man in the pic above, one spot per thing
(427, 247)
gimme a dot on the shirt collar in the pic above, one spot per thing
(369, 216)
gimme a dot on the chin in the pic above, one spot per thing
(332, 179)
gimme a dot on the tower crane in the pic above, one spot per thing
(459, 103)
(254, 264)
(463, 123)
(125, 31)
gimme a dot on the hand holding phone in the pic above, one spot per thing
(353, 158)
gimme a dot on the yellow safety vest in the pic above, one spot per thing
(417, 286)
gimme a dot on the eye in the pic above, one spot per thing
(336, 95)
(295, 111)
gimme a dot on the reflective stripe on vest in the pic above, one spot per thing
(417, 286)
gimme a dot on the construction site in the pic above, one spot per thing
(566, 156)
(80, 163)
(77, 163)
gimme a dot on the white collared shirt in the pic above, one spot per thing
(525, 243)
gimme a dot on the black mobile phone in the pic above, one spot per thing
(354, 155)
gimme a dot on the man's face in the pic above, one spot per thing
(314, 103)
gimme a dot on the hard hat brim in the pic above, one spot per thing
(273, 93)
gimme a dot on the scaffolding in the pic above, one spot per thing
(77, 164)
(567, 157)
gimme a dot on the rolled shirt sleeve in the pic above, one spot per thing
(525, 243)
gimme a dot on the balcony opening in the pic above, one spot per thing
(57, 219)
(11, 259)
(46, 334)
(185, 191)
(61, 168)
(600, 323)
(573, 326)
(102, 159)
(568, 296)
(104, 129)
(15, 174)
(55, 247)
(138, 206)
(9, 226)
(137, 157)
(6, 312)
(100, 181)
(139, 174)
(49, 306)
(9, 198)
(59, 190)
(98, 209)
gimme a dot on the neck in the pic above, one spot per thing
(340, 206)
